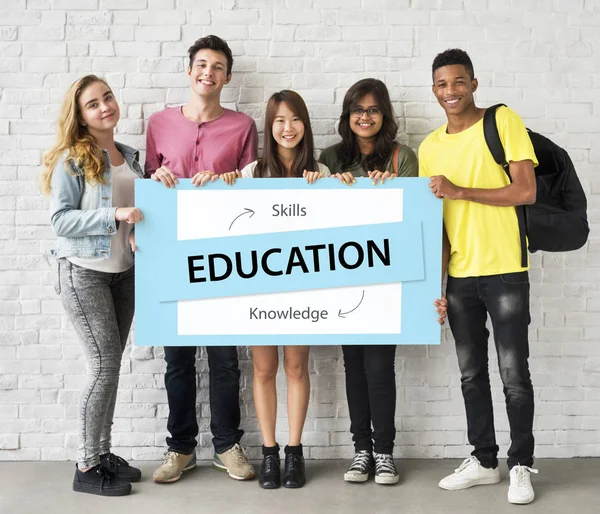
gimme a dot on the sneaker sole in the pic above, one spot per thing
(85, 488)
(189, 467)
(520, 502)
(481, 481)
(131, 478)
(354, 478)
(221, 467)
(387, 480)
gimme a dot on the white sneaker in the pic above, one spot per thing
(468, 474)
(520, 490)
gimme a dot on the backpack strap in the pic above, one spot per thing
(494, 144)
(492, 136)
(395, 159)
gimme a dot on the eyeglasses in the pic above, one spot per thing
(372, 112)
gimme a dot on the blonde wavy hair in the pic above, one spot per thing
(72, 137)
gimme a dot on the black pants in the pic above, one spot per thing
(371, 393)
(224, 388)
(506, 299)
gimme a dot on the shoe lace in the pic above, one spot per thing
(238, 453)
(384, 463)
(293, 462)
(271, 463)
(114, 461)
(106, 476)
(522, 475)
(470, 461)
(169, 457)
(361, 461)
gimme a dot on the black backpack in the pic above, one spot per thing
(557, 221)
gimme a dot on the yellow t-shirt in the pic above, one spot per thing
(484, 240)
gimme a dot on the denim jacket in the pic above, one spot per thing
(85, 233)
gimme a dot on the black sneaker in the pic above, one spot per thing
(385, 469)
(361, 468)
(98, 480)
(269, 476)
(294, 474)
(120, 467)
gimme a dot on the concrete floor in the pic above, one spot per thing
(566, 486)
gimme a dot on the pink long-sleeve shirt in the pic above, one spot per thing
(224, 144)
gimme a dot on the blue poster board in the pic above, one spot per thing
(285, 262)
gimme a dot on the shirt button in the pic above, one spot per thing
(199, 125)
(195, 158)
(197, 142)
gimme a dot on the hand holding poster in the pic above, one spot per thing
(285, 262)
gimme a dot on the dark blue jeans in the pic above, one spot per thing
(506, 299)
(224, 389)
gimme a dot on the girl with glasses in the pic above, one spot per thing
(368, 129)
(368, 149)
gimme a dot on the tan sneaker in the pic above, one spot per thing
(235, 463)
(173, 466)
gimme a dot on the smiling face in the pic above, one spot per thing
(454, 88)
(288, 128)
(98, 108)
(366, 118)
(208, 73)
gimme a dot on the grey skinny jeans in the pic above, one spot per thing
(100, 306)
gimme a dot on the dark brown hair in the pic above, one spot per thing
(269, 165)
(348, 152)
(212, 43)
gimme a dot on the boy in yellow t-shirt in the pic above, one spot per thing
(482, 253)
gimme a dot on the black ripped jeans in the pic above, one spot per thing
(506, 299)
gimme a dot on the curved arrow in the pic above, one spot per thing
(341, 314)
(246, 211)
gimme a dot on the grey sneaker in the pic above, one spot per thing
(385, 469)
(235, 463)
(173, 466)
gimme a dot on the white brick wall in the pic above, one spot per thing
(540, 56)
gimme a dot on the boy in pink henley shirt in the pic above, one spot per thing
(223, 144)
(201, 140)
